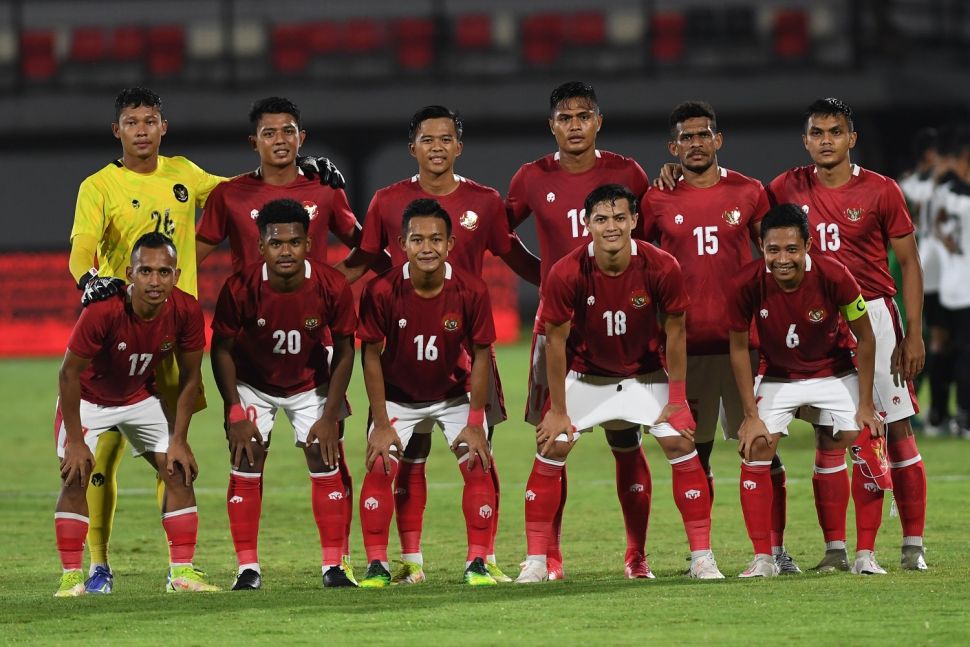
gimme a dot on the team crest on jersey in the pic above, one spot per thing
(639, 298)
(469, 220)
(181, 193)
(732, 217)
(854, 214)
(311, 209)
(451, 322)
(815, 315)
(122, 346)
(311, 323)
(135, 204)
(167, 345)
(679, 219)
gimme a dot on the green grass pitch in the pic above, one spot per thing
(593, 605)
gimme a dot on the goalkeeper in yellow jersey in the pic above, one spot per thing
(139, 192)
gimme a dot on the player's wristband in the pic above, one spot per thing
(677, 391)
(476, 417)
(237, 413)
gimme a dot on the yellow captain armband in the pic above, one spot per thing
(854, 310)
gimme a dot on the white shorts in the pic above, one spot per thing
(144, 425)
(835, 397)
(893, 402)
(408, 419)
(301, 409)
(712, 393)
(538, 381)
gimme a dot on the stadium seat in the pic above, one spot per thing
(325, 36)
(585, 29)
(38, 61)
(362, 35)
(415, 43)
(791, 41)
(88, 45)
(666, 37)
(542, 38)
(290, 48)
(127, 43)
(473, 32)
(166, 50)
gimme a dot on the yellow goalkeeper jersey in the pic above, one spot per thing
(117, 206)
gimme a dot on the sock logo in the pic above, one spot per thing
(97, 480)
(637, 487)
(336, 495)
(400, 491)
(530, 495)
(235, 499)
(485, 512)
(371, 504)
(750, 485)
(692, 494)
(871, 487)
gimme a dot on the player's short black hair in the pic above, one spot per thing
(153, 240)
(427, 207)
(785, 215)
(434, 112)
(689, 110)
(282, 211)
(610, 193)
(136, 97)
(573, 90)
(828, 107)
(925, 139)
(272, 106)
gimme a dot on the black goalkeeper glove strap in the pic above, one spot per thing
(323, 168)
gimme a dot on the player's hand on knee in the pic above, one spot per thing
(473, 436)
(678, 416)
(751, 433)
(668, 176)
(180, 456)
(98, 288)
(868, 417)
(327, 434)
(323, 168)
(552, 425)
(242, 434)
(382, 440)
(78, 463)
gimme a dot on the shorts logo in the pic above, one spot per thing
(550, 197)
(636, 487)
(678, 219)
(451, 322)
(399, 491)
(336, 495)
(764, 313)
(590, 301)
(897, 400)
(135, 204)
(122, 346)
(871, 487)
(181, 193)
(854, 213)
(692, 494)
(469, 220)
(254, 214)
(732, 217)
(166, 346)
(97, 480)
(401, 323)
(529, 495)
(371, 504)
(485, 512)
(310, 323)
(235, 499)
(311, 208)
(260, 322)
(639, 298)
(815, 315)
(750, 485)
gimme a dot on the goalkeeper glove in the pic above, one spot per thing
(97, 288)
(321, 166)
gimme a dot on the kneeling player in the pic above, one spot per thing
(267, 355)
(426, 330)
(107, 380)
(602, 308)
(801, 304)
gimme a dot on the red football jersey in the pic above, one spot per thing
(232, 208)
(124, 348)
(615, 319)
(802, 333)
(853, 222)
(280, 336)
(556, 197)
(477, 220)
(426, 341)
(709, 231)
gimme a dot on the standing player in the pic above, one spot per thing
(426, 329)
(708, 222)
(856, 214)
(232, 208)
(107, 380)
(267, 355)
(553, 189)
(611, 309)
(801, 304)
(480, 225)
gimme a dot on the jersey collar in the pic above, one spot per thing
(633, 248)
(595, 150)
(406, 270)
(306, 269)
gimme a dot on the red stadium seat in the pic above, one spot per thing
(542, 38)
(166, 49)
(362, 35)
(667, 37)
(290, 48)
(587, 28)
(37, 59)
(127, 43)
(325, 36)
(473, 32)
(88, 45)
(791, 40)
(415, 43)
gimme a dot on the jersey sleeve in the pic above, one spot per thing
(227, 320)
(740, 304)
(557, 295)
(499, 239)
(89, 215)
(91, 330)
(371, 328)
(648, 219)
(639, 183)
(373, 239)
(517, 206)
(191, 333)
(204, 184)
(343, 222)
(896, 219)
(847, 289)
(671, 295)
(482, 325)
(777, 193)
(761, 207)
(213, 227)
(343, 319)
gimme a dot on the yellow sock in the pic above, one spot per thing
(102, 494)
(160, 492)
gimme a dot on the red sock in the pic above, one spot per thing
(376, 509)
(543, 494)
(554, 552)
(779, 506)
(909, 485)
(348, 485)
(756, 498)
(478, 504)
(244, 503)
(831, 486)
(693, 499)
(410, 500)
(182, 529)
(329, 510)
(634, 489)
(495, 484)
(70, 530)
(867, 498)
